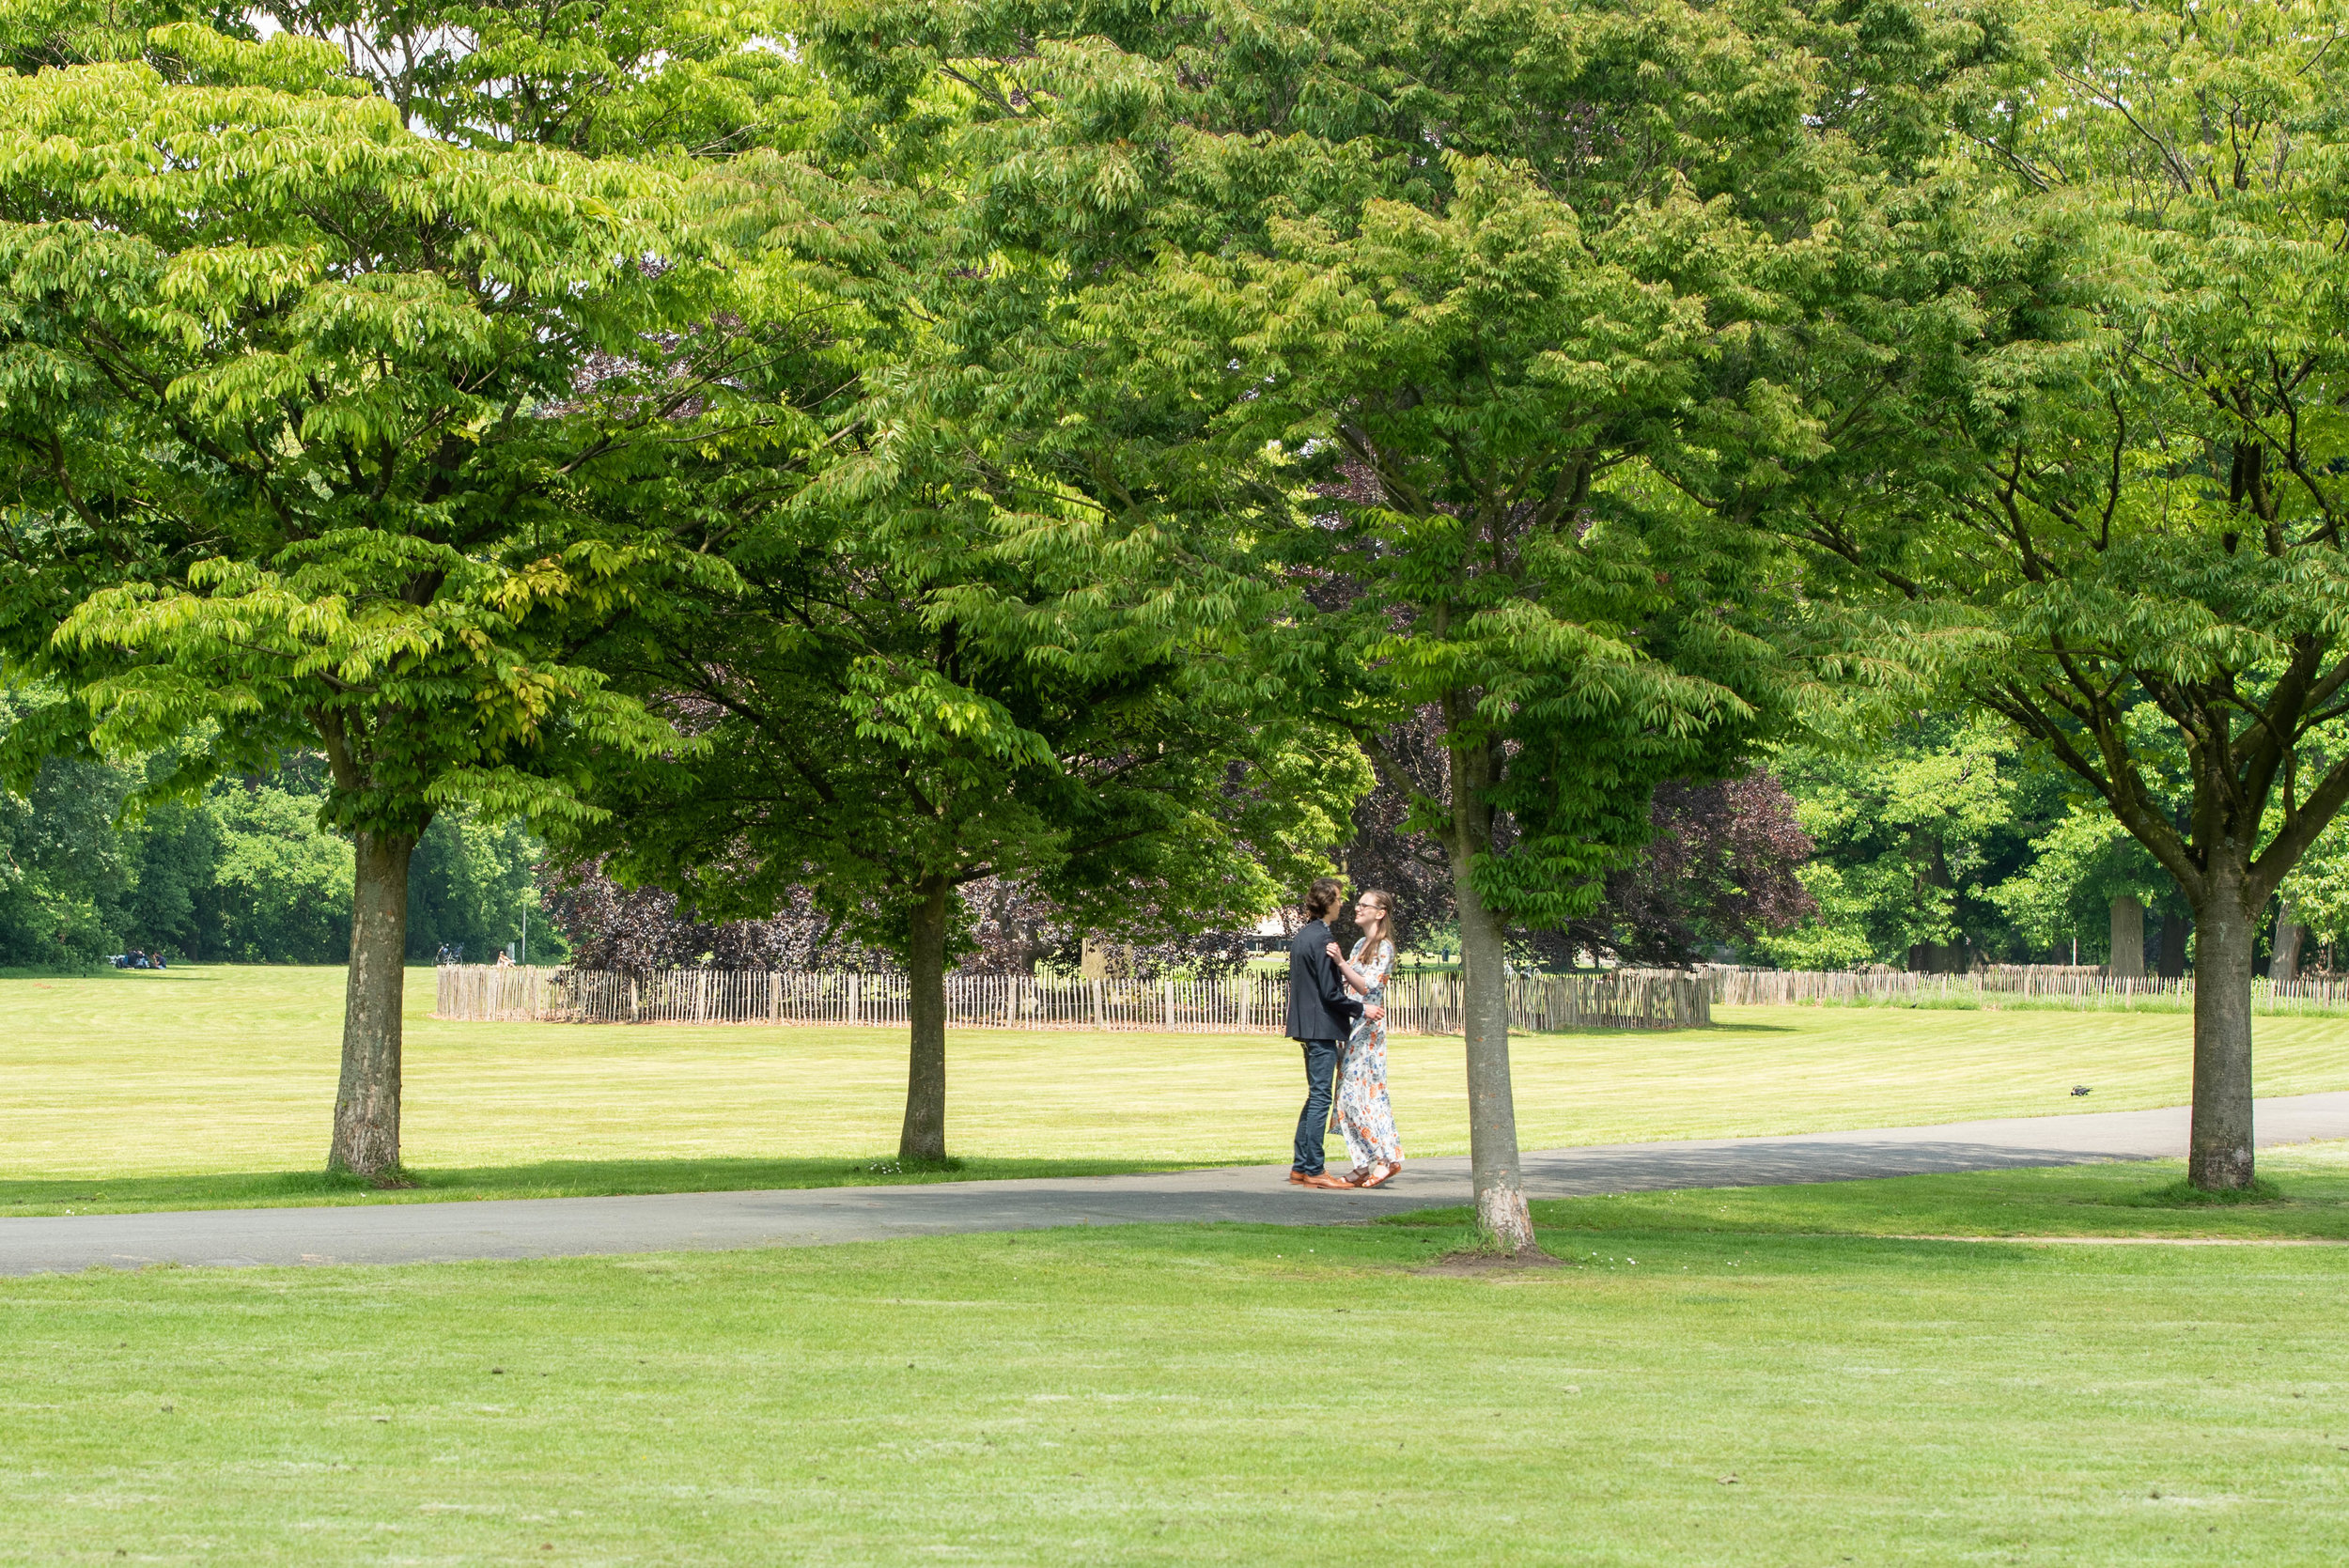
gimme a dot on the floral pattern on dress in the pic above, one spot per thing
(1364, 1116)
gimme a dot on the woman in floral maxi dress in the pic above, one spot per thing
(1364, 1116)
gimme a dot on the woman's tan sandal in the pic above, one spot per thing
(1380, 1176)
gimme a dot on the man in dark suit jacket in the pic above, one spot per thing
(1320, 1015)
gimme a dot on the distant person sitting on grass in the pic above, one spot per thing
(1320, 1014)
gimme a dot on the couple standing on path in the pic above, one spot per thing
(1332, 999)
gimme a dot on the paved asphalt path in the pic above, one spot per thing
(567, 1227)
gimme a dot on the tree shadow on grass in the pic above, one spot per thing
(2109, 1200)
(567, 1178)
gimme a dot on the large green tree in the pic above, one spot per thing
(2113, 511)
(1001, 628)
(308, 398)
(1507, 292)
(902, 693)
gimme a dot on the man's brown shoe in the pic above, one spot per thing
(1299, 1178)
(1323, 1179)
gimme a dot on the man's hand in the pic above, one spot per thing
(1373, 1011)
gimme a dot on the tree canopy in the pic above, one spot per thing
(1504, 294)
(303, 417)
(827, 457)
(979, 636)
(2111, 510)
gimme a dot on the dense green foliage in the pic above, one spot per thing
(1456, 351)
(1499, 296)
(243, 873)
(875, 447)
(2102, 489)
(321, 358)
(320, 439)
(1912, 836)
(1941, 844)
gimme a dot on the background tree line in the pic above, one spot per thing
(1937, 847)
(243, 873)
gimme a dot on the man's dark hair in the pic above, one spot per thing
(1322, 897)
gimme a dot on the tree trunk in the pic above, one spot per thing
(924, 1134)
(1500, 1211)
(2174, 926)
(366, 1106)
(2219, 1155)
(2129, 938)
(2284, 962)
(1502, 1216)
(1938, 958)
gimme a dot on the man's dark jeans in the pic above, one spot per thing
(1321, 1065)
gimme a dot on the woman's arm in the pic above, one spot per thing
(1362, 980)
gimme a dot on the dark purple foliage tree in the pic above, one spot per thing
(1410, 761)
(1719, 872)
(635, 929)
(1013, 931)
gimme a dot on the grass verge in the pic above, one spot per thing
(602, 1178)
(2262, 1006)
(228, 1071)
(2185, 1194)
(2307, 1198)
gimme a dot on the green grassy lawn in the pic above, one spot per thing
(25, 1197)
(2120, 1199)
(213, 1085)
(1715, 1382)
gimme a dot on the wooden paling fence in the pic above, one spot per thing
(1251, 1003)
(2061, 985)
(491, 993)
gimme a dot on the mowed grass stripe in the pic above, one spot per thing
(1195, 1394)
(211, 1070)
(2121, 1201)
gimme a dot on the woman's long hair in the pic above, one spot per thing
(1386, 925)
